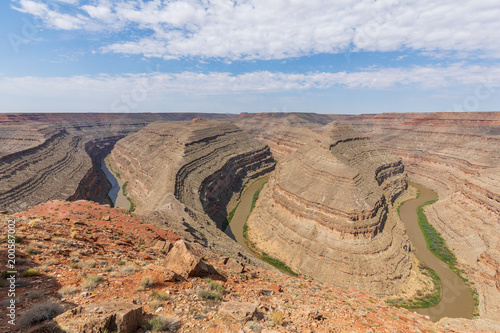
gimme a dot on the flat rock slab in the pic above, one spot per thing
(117, 317)
(238, 310)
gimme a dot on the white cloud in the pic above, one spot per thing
(193, 83)
(263, 29)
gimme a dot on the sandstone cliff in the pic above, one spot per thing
(326, 212)
(205, 165)
(457, 155)
(58, 155)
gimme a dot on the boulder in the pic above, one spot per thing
(94, 318)
(234, 265)
(163, 246)
(238, 310)
(184, 261)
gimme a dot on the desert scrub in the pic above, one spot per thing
(146, 282)
(161, 296)
(92, 281)
(74, 234)
(17, 239)
(30, 250)
(67, 291)
(30, 272)
(276, 318)
(40, 312)
(163, 323)
(130, 268)
(90, 263)
(210, 295)
(215, 285)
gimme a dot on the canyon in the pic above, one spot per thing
(328, 209)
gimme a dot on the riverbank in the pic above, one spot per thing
(117, 192)
(456, 299)
(237, 228)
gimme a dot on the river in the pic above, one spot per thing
(457, 300)
(235, 228)
(116, 192)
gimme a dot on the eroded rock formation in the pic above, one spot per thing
(204, 164)
(457, 155)
(335, 221)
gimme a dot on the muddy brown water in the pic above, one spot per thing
(457, 300)
(116, 192)
(235, 228)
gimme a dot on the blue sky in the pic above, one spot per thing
(320, 56)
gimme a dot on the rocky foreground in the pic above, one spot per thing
(111, 271)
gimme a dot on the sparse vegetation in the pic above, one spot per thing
(147, 282)
(130, 268)
(210, 295)
(30, 250)
(40, 312)
(30, 272)
(92, 281)
(67, 291)
(276, 318)
(163, 323)
(73, 234)
(155, 304)
(215, 285)
(160, 296)
(90, 263)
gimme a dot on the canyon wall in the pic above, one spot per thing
(327, 212)
(457, 155)
(57, 155)
(205, 165)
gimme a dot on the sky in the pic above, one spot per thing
(323, 56)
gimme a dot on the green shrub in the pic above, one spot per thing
(30, 272)
(30, 250)
(210, 295)
(161, 296)
(92, 281)
(163, 323)
(276, 318)
(147, 282)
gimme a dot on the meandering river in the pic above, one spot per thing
(116, 192)
(457, 300)
(235, 228)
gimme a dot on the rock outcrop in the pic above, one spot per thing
(458, 156)
(58, 156)
(205, 165)
(335, 222)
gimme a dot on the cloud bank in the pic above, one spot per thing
(279, 29)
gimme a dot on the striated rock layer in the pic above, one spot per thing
(58, 155)
(457, 155)
(204, 164)
(327, 212)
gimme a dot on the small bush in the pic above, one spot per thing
(40, 312)
(210, 295)
(276, 317)
(216, 286)
(30, 272)
(91, 263)
(74, 234)
(17, 239)
(30, 250)
(92, 281)
(32, 223)
(51, 262)
(67, 291)
(75, 265)
(254, 326)
(147, 282)
(163, 323)
(35, 295)
(130, 268)
(162, 296)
